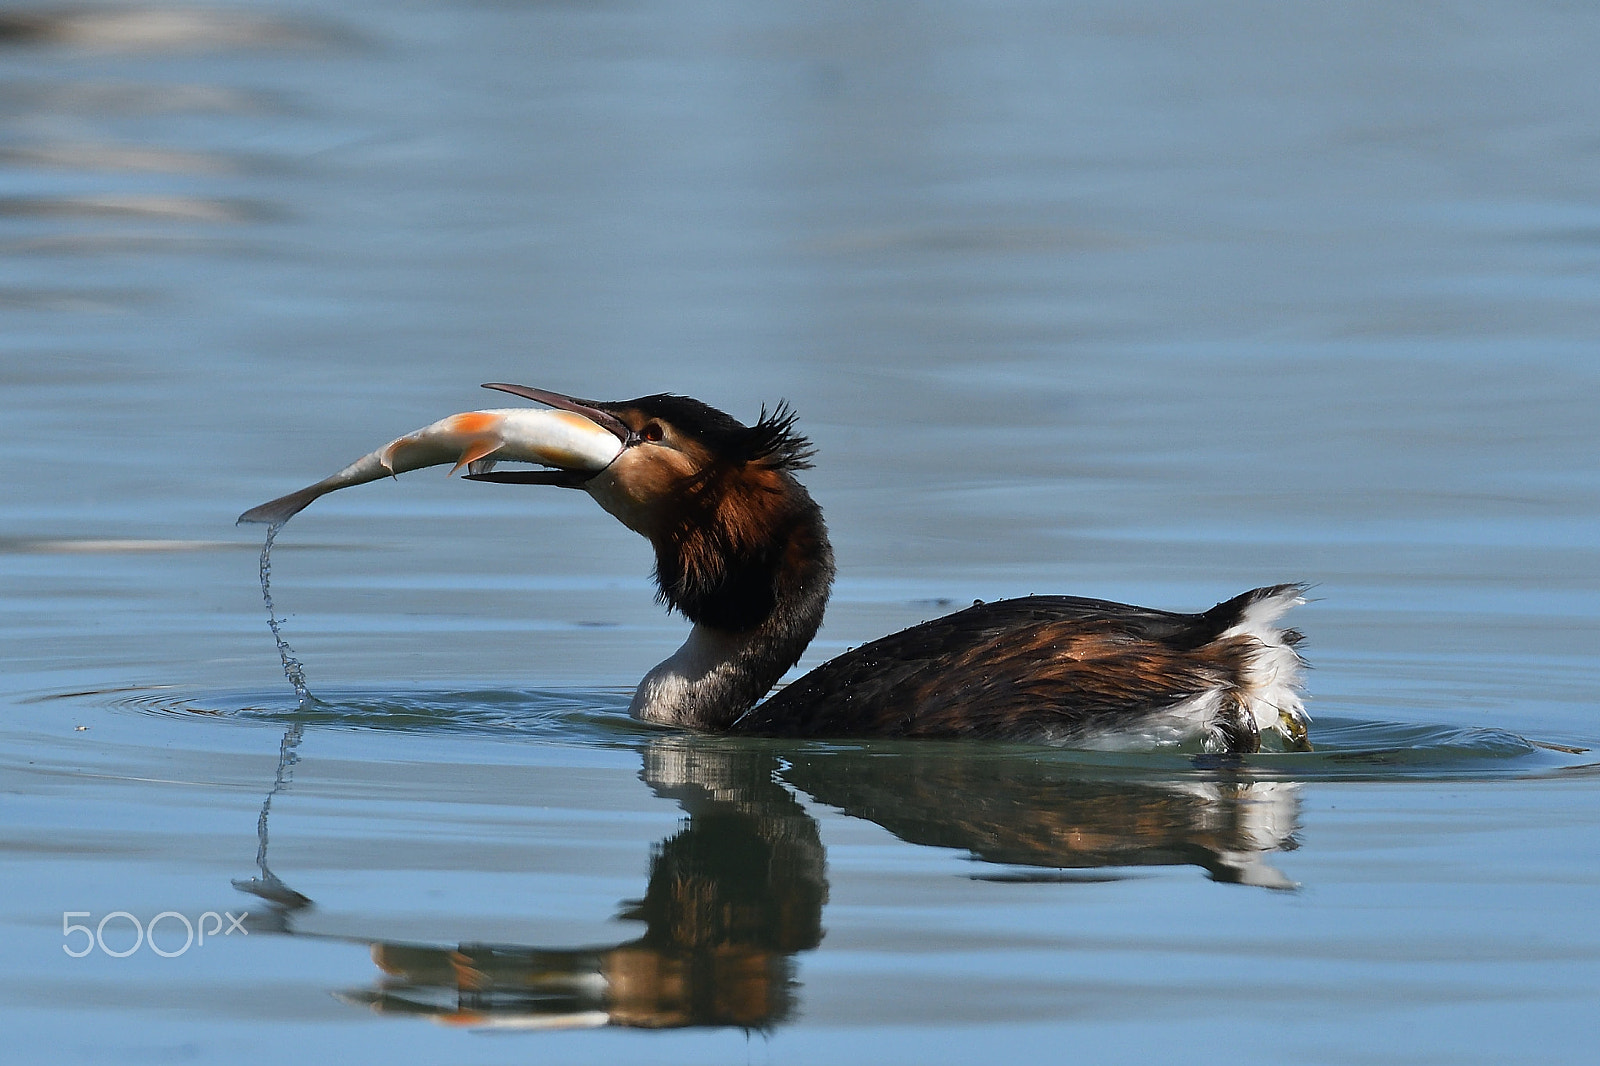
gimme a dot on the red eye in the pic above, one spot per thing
(651, 432)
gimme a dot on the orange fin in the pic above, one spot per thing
(476, 450)
(474, 422)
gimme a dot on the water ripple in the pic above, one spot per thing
(160, 208)
(155, 29)
(1347, 748)
(586, 715)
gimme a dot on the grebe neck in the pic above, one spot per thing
(752, 571)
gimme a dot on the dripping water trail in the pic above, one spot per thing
(268, 885)
(293, 668)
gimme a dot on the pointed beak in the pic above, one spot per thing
(570, 477)
(587, 408)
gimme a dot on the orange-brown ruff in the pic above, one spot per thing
(742, 552)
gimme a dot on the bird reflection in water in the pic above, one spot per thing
(738, 891)
(1043, 812)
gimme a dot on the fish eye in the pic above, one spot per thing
(651, 432)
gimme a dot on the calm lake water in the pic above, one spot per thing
(1153, 302)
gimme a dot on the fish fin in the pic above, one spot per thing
(386, 456)
(476, 450)
(276, 512)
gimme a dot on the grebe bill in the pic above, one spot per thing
(742, 551)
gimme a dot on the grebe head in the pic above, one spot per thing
(740, 546)
(684, 463)
(675, 450)
(717, 499)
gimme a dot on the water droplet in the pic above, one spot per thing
(293, 668)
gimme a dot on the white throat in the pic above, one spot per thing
(702, 682)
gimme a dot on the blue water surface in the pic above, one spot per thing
(1154, 302)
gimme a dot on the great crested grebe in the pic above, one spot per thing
(742, 551)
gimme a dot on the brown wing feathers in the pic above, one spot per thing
(1006, 669)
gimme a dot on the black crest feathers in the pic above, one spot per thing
(773, 442)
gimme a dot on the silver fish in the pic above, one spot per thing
(573, 445)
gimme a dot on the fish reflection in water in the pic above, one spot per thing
(738, 891)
